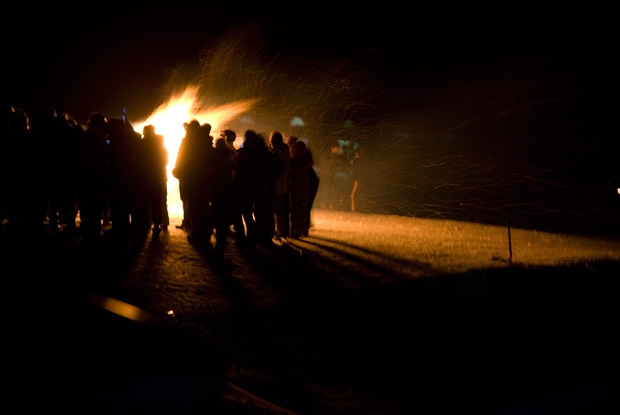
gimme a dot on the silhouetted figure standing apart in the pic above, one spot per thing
(156, 158)
(331, 165)
(361, 170)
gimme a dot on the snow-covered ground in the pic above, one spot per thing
(371, 314)
(437, 246)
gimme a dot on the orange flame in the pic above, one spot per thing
(168, 120)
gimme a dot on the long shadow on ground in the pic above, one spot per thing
(504, 340)
(487, 340)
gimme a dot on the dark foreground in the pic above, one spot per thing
(257, 337)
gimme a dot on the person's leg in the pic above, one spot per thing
(186, 221)
(165, 220)
(156, 209)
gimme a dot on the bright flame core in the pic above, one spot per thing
(168, 120)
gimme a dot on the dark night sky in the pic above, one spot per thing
(516, 81)
(83, 58)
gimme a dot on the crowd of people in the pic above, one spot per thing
(262, 191)
(58, 174)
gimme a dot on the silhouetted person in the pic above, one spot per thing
(156, 158)
(52, 132)
(128, 206)
(245, 177)
(47, 182)
(313, 183)
(271, 167)
(300, 189)
(281, 200)
(331, 165)
(360, 171)
(92, 180)
(192, 166)
(69, 155)
(191, 128)
(237, 218)
(257, 168)
(24, 181)
(222, 194)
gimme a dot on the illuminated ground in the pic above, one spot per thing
(370, 315)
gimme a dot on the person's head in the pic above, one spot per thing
(276, 138)
(192, 127)
(291, 140)
(96, 120)
(148, 130)
(205, 132)
(229, 135)
(250, 139)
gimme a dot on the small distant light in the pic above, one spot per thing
(297, 122)
(171, 313)
(618, 189)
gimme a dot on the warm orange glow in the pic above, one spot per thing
(169, 118)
